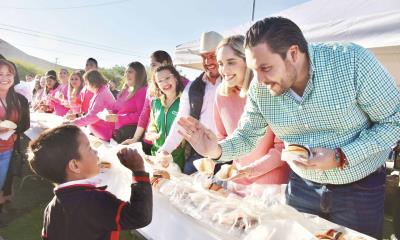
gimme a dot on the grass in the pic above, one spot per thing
(31, 195)
(30, 200)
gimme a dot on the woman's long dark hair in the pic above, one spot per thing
(13, 104)
(55, 84)
(141, 77)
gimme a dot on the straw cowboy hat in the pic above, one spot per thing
(208, 42)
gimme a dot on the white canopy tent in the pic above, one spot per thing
(374, 24)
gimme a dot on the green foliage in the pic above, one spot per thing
(24, 68)
(115, 74)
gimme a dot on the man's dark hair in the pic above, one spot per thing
(161, 56)
(92, 60)
(50, 153)
(52, 73)
(279, 33)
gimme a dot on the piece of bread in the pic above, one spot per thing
(204, 166)
(226, 172)
(299, 150)
(8, 124)
(161, 174)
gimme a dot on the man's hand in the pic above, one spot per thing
(323, 159)
(202, 139)
(131, 159)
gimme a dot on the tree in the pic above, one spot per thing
(115, 74)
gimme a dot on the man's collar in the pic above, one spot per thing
(311, 56)
(205, 79)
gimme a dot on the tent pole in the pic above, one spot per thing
(254, 6)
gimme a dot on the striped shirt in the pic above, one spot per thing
(350, 102)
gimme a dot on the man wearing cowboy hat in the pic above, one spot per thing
(197, 99)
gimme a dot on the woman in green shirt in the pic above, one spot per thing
(168, 87)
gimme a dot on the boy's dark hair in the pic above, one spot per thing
(93, 61)
(279, 33)
(50, 153)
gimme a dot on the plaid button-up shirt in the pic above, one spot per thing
(350, 102)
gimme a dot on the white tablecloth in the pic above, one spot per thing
(169, 222)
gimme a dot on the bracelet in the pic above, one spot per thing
(340, 158)
(337, 156)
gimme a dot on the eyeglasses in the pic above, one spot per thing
(167, 79)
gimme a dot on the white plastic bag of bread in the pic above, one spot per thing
(204, 166)
(226, 172)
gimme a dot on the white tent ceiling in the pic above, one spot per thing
(374, 24)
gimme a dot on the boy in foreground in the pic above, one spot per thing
(79, 209)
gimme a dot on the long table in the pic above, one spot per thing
(169, 222)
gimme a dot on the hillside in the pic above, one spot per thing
(11, 52)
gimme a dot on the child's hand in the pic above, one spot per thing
(131, 159)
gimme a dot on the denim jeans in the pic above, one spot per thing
(189, 168)
(357, 205)
(5, 158)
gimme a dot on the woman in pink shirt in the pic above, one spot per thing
(157, 59)
(126, 111)
(263, 165)
(40, 92)
(60, 95)
(102, 99)
(86, 97)
(47, 104)
(75, 86)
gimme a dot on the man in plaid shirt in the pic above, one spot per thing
(335, 98)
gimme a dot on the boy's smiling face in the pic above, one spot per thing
(87, 166)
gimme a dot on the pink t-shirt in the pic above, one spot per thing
(265, 159)
(86, 97)
(60, 94)
(129, 110)
(101, 100)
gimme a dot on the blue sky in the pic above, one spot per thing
(133, 27)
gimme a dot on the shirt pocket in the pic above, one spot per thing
(337, 115)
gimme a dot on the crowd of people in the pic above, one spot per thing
(257, 93)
